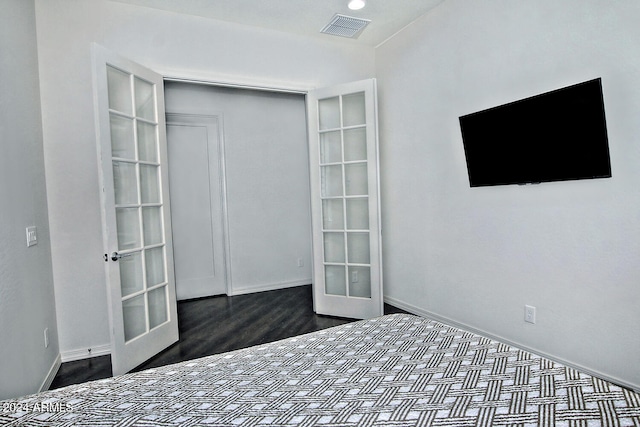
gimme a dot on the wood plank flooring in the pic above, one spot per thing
(220, 324)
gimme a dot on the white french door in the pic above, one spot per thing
(136, 219)
(345, 205)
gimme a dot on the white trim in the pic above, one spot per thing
(251, 85)
(243, 290)
(225, 206)
(428, 314)
(85, 353)
(52, 374)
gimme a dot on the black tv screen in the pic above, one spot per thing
(556, 136)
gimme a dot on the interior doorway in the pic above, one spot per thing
(265, 236)
(198, 204)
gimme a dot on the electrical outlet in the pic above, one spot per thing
(354, 276)
(529, 314)
(300, 262)
(46, 337)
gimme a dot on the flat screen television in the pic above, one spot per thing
(556, 136)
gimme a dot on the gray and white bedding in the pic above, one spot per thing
(396, 370)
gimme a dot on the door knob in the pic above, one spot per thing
(116, 256)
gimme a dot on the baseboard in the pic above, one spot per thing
(85, 353)
(425, 313)
(52, 373)
(268, 287)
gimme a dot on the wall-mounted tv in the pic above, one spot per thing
(556, 136)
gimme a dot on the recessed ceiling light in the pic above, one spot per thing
(356, 4)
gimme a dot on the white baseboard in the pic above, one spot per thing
(424, 313)
(52, 374)
(268, 287)
(85, 353)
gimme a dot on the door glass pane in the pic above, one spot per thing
(122, 141)
(152, 225)
(334, 281)
(125, 184)
(359, 281)
(147, 142)
(334, 247)
(154, 261)
(149, 185)
(157, 307)
(119, 89)
(329, 113)
(330, 147)
(145, 101)
(356, 183)
(332, 214)
(358, 214)
(128, 225)
(358, 248)
(131, 273)
(331, 180)
(355, 144)
(135, 318)
(353, 109)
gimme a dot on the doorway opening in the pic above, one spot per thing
(239, 185)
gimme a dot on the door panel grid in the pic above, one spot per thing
(345, 200)
(138, 202)
(343, 168)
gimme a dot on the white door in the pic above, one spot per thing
(196, 182)
(345, 206)
(136, 219)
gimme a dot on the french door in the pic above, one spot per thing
(345, 206)
(135, 209)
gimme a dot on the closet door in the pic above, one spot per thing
(198, 204)
(345, 200)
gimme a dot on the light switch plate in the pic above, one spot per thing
(32, 236)
(529, 314)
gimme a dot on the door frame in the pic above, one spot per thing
(178, 118)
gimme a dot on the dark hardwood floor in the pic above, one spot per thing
(220, 324)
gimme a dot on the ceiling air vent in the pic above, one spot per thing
(345, 26)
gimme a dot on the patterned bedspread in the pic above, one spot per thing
(396, 370)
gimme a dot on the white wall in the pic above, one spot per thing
(477, 256)
(172, 44)
(267, 172)
(26, 279)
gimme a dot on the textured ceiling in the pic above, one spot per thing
(303, 17)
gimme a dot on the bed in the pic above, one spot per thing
(395, 370)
